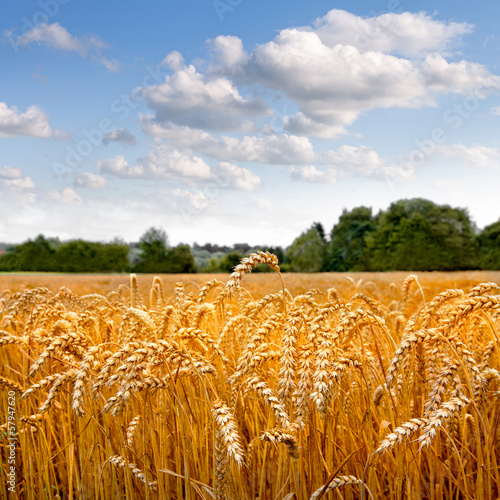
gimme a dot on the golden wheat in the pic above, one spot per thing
(235, 392)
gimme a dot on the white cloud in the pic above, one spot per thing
(162, 162)
(333, 75)
(10, 172)
(166, 162)
(189, 98)
(346, 161)
(299, 124)
(470, 156)
(495, 111)
(261, 204)
(33, 122)
(409, 34)
(182, 200)
(89, 180)
(282, 149)
(112, 65)
(461, 77)
(119, 167)
(310, 173)
(361, 160)
(122, 135)
(21, 183)
(58, 37)
(235, 177)
(227, 53)
(67, 196)
(54, 36)
(16, 189)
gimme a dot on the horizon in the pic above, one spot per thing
(116, 239)
(230, 121)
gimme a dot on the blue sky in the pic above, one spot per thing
(235, 120)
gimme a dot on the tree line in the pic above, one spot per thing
(411, 235)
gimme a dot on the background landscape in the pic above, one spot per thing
(229, 121)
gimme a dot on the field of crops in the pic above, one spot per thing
(251, 386)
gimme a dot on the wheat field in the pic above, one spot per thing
(264, 386)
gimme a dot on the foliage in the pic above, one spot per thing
(489, 247)
(419, 235)
(414, 234)
(347, 248)
(307, 254)
(88, 257)
(33, 255)
(180, 260)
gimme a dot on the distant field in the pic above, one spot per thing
(258, 283)
(201, 386)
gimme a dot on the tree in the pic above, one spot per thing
(153, 257)
(180, 260)
(33, 255)
(77, 256)
(307, 253)
(230, 261)
(321, 230)
(489, 247)
(347, 247)
(88, 257)
(419, 235)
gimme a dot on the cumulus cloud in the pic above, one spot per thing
(58, 37)
(261, 203)
(183, 200)
(235, 177)
(470, 156)
(10, 172)
(188, 97)
(162, 162)
(122, 135)
(166, 162)
(118, 166)
(66, 196)
(15, 187)
(21, 183)
(347, 160)
(89, 180)
(334, 75)
(408, 34)
(33, 122)
(278, 149)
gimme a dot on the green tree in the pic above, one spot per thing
(230, 261)
(153, 257)
(307, 254)
(33, 255)
(489, 247)
(76, 256)
(347, 247)
(419, 235)
(180, 260)
(87, 257)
